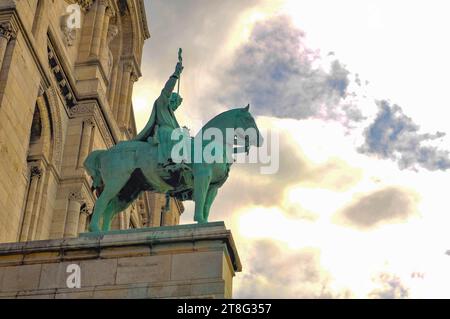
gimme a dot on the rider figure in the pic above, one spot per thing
(162, 121)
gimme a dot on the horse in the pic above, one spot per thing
(122, 172)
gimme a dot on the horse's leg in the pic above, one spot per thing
(201, 185)
(210, 196)
(101, 207)
(115, 206)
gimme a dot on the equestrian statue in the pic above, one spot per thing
(146, 162)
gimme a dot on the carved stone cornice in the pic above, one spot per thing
(60, 78)
(7, 31)
(92, 110)
(82, 109)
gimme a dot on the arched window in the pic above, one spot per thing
(39, 154)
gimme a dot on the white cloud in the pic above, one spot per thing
(291, 214)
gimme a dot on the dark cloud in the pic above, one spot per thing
(391, 287)
(201, 28)
(393, 135)
(390, 205)
(275, 272)
(280, 76)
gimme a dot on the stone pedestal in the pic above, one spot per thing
(186, 261)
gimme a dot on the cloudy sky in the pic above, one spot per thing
(357, 93)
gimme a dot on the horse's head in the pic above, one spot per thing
(242, 122)
(246, 128)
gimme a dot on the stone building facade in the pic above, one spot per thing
(65, 91)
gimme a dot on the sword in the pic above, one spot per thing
(180, 59)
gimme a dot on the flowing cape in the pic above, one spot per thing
(149, 128)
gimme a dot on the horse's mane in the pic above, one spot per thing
(219, 118)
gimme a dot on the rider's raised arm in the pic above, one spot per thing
(170, 84)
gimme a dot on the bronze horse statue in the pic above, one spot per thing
(122, 172)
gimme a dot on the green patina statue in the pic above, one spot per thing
(146, 162)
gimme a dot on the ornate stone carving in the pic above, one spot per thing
(41, 91)
(86, 209)
(110, 12)
(82, 109)
(61, 78)
(35, 171)
(92, 109)
(85, 4)
(7, 31)
(76, 196)
(128, 67)
(123, 6)
(134, 77)
(113, 31)
(89, 122)
(105, 3)
(56, 124)
(70, 34)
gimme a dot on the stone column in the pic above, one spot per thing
(88, 126)
(122, 220)
(35, 175)
(6, 34)
(123, 106)
(73, 214)
(116, 90)
(84, 214)
(111, 64)
(112, 86)
(133, 79)
(98, 26)
(127, 218)
(109, 13)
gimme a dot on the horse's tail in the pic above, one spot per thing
(92, 166)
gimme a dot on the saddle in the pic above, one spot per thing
(180, 177)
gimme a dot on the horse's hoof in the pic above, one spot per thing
(199, 220)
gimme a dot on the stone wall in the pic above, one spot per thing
(187, 261)
(64, 93)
